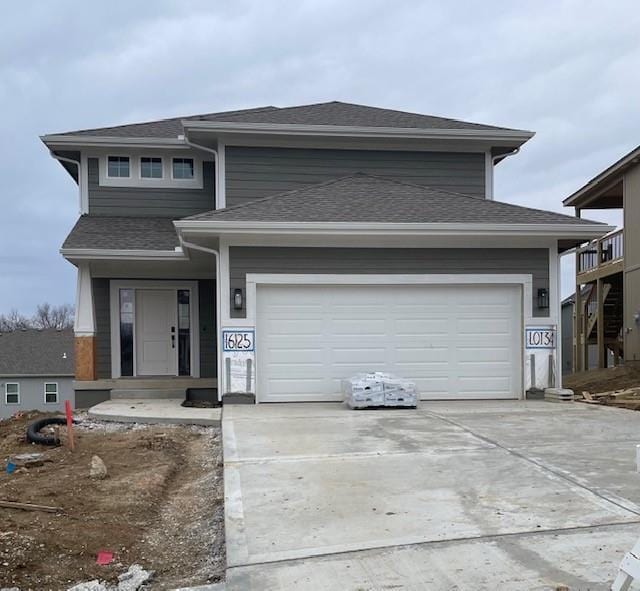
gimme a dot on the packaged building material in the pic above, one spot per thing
(379, 389)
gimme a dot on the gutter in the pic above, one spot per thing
(215, 253)
(353, 131)
(110, 141)
(419, 229)
(115, 254)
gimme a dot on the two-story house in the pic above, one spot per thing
(607, 306)
(276, 251)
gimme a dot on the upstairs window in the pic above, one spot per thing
(12, 393)
(51, 393)
(150, 168)
(118, 167)
(183, 168)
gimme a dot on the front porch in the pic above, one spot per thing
(146, 329)
(155, 411)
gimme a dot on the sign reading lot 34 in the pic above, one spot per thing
(540, 337)
(238, 340)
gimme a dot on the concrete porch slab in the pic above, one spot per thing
(161, 411)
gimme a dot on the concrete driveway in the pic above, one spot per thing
(464, 495)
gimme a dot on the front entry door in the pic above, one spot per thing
(156, 336)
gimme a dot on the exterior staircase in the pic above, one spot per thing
(613, 317)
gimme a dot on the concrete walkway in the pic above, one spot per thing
(166, 411)
(487, 495)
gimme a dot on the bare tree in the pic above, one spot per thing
(13, 321)
(48, 316)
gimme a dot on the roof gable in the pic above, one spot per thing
(363, 198)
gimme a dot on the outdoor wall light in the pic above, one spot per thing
(543, 298)
(237, 299)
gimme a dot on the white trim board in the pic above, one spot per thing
(114, 309)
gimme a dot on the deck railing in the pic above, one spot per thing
(599, 253)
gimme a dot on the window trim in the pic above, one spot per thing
(150, 178)
(6, 393)
(135, 181)
(57, 401)
(106, 171)
(182, 180)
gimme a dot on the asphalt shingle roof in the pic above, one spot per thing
(367, 198)
(122, 233)
(36, 352)
(331, 113)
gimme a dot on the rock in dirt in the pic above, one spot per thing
(98, 468)
(27, 460)
(133, 578)
(94, 585)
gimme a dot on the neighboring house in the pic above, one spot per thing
(36, 370)
(349, 238)
(567, 322)
(608, 270)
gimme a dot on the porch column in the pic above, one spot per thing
(600, 324)
(577, 328)
(84, 327)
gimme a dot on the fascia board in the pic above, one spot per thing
(116, 254)
(553, 230)
(519, 136)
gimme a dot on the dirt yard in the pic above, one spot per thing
(160, 506)
(602, 380)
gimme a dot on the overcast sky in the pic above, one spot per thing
(566, 70)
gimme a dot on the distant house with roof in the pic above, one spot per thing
(36, 370)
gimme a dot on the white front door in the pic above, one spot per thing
(455, 342)
(156, 332)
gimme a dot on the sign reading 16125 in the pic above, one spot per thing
(540, 337)
(240, 340)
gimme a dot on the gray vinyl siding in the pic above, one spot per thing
(103, 327)
(152, 202)
(207, 328)
(32, 394)
(208, 338)
(246, 259)
(256, 172)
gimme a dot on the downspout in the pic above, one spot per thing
(72, 161)
(215, 165)
(216, 253)
(505, 155)
(494, 159)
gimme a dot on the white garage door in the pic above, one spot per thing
(455, 342)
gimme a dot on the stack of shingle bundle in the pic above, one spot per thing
(379, 389)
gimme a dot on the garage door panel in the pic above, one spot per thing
(453, 341)
(423, 327)
(484, 355)
(374, 327)
(342, 356)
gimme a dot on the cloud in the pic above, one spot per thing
(563, 69)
